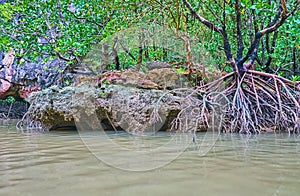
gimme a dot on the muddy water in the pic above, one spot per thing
(59, 163)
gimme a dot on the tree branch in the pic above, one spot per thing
(224, 14)
(239, 30)
(101, 26)
(215, 28)
(214, 14)
(127, 51)
(271, 51)
(267, 43)
(63, 57)
(254, 18)
(276, 25)
(252, 51)
(115, 53)
(204, 21)
(168, 8)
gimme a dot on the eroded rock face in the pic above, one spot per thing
(136, 102)
(140, 110)
(20, 80)
(129, 108)
(6, 72)
(42, 74)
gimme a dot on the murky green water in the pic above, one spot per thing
(58, 163)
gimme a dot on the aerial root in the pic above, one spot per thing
(252, 103)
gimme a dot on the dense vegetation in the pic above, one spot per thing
(68, 29)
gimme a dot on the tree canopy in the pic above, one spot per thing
(258, 32)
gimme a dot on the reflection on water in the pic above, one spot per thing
(59, 163)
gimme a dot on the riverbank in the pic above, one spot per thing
(163, 99)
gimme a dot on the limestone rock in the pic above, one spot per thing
(132, 109)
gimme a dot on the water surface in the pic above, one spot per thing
(58, 163)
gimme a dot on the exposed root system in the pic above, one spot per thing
(255, 102)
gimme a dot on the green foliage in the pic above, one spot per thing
(180, 70)
(71, 28)
(295, 78)
(103, 94)
(64, 27)
(8, 100)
